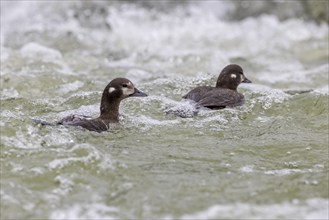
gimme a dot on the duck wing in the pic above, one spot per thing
(72, 119)
(86, 122)
(198, 93)
(221, 98)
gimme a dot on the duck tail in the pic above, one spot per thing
(41, 122)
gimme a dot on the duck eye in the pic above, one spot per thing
(124, 85)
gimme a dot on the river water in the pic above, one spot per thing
(267, 159)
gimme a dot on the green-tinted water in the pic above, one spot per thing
(265, 160)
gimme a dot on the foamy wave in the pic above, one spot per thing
(91, 155)
(322, 91)
(31, 138)
(184, 109)
(87, 110)
(310, 209)
(145, 122)
(268, 96)
(37, 52)
(85, 211)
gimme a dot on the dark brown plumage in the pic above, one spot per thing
(117, 90)
(225, 93)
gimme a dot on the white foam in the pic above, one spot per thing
(85, 211)
(87, 110)
(316, 208)
(71, 87)
(10, 93)
(247, 169)
(27, 138)
(65, 184)
(150, 122)
(104, 161)
(136, 75)
(292, 72)
(11, 10)
(37, 51)
(177, 36)
(184, 109)
(284, 172)
(268, 96)
(322, 91)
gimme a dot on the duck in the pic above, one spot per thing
(116, 91)
(225, 93)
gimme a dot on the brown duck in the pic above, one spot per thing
(117, 90)
(225, 93)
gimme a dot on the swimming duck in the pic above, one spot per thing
(117, 90)
(225, 93)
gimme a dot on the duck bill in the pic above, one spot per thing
(245, 80)
(138, 93)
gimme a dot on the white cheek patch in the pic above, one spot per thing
(111, 89)
(242, 78)
(233, 76)
(127, 91)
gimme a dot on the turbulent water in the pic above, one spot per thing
(265, 160)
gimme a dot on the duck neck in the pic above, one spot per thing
(109, 109)
(225, 85)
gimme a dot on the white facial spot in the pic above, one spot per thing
(127, 91)
(233, 76)
(242, 78)
(111, 89)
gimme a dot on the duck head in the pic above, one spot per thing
(117, 90)
(231, 77)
